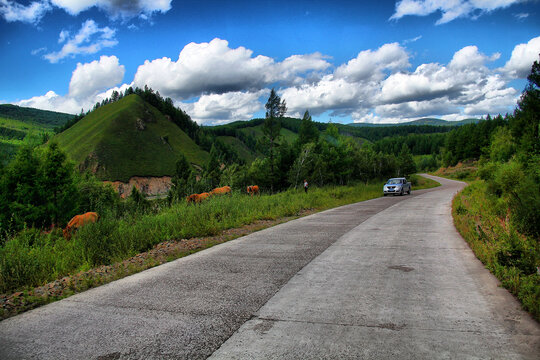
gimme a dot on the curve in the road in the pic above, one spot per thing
(263, 295)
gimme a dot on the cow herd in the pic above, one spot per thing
(91, 217)
(198, 198)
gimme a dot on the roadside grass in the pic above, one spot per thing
(464, 171)
(31, 259)
(484, 222)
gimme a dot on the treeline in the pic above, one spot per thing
(321, 158)
(419, 144)
(470, 141)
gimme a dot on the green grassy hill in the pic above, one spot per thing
(128, 138)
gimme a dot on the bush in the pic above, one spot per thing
(526, 207)
(95, 242)
(515, 253)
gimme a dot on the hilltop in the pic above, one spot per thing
(127, 138)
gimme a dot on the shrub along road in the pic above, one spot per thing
(380, 278)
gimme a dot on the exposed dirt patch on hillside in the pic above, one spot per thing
(150, 186)
(12, 304)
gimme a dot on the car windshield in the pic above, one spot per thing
(394, 181)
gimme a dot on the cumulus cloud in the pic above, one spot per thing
(223, 108)
(362, 90)
(450, 10)
(217, 84)
(52, 101)
(12, 11)
(215, 68)
(89, 40)
(91, 78)
(370, 64)
(117, 9)
(470, 58)
(90, 83)
(523, 56)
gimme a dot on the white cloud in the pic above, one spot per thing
(64, 34)
(86, 83)
(223, 108)
(521, 16)
(38, 51)
(450, 9)
(335, 94)
(523, 56)
(12, 11)
(470, 58)
(54, 102)
(465, 86)
(88, 79)
(370, 64)
(217, 84)
(89, 40)
(414, 39)
(215, 68)
(116, 8)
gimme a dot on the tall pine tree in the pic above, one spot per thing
(275, 109)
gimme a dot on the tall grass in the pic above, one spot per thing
(483, 221)
(31, 258)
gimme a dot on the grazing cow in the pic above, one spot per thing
(253, 190)
(221, 191)
(79, 220)
(192, 198)
(203, 196)
(197, 198)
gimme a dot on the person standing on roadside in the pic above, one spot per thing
(305, 186)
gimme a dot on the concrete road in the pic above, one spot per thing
(353, 282)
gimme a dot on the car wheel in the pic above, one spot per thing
(401, 192)
(409, 192)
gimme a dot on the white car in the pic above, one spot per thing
(397, 186)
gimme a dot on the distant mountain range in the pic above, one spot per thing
(423, 121)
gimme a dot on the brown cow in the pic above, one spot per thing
(253, 190)
(203, 196)
(79, 220)
(221, 191)
(192, 198)
(197, 198)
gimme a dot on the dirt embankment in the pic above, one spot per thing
(149, 186)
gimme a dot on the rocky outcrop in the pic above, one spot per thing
(150, 186)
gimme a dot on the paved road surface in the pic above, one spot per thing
(352, 282)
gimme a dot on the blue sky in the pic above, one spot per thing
(383, 61)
